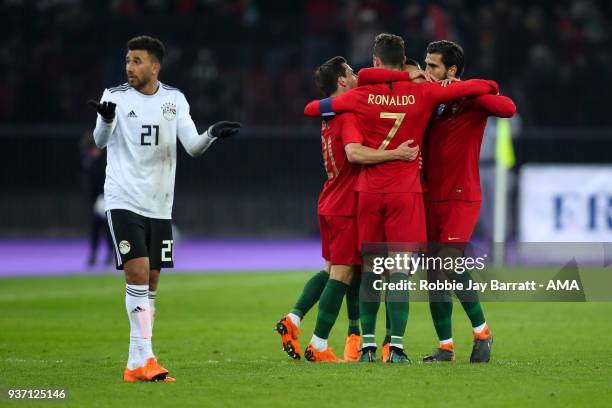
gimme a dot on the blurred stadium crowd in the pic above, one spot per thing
(256, 58)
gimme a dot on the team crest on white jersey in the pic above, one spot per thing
(169, 110)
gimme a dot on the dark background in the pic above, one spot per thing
(253, 61)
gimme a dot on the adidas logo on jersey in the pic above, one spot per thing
(132, 114)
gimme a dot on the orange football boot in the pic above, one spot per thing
(290, 337)
(483, 335)
(385, 352)
(312, 354)
(152, 371)
(352, 347)
(132, 375)
(448, 347)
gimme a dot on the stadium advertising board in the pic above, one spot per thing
(565, 203)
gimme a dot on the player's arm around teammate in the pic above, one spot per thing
(453, 199)
(343, 153)
(360, 154)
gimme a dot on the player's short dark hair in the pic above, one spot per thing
(451, 54)
(389, 48)
(152, 45)
(326, 76)
(413, 62)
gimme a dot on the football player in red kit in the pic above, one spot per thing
(336, 209)
(452, 194)
(390, 205)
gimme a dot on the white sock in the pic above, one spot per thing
(152, 295)
(295, 319)
(369, 340)
(397, 341)
(318, 343)
(134, 359)
(479, 328)
(138, 310)
(447, 341)
(145, 347)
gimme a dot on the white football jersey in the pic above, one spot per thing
(141, 143)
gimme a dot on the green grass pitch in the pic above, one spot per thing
(215, 334)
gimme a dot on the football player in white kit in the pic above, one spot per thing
(139, 122)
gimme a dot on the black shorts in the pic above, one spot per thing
(136, 236)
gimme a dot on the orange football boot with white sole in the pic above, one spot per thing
(352, 347)
(132, 375)
(290, 337)
(152, 371)
(312, 354)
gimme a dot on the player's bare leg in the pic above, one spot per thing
(142, 364)
(329, 307)
(137, 271)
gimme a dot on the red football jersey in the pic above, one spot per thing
(338, 196)
(452, 146)
(453, 138)
(390, 114)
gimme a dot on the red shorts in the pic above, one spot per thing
(451, 220)
(391, 217)
(339, 239)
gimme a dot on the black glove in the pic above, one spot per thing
(105, 109)
(223, 129)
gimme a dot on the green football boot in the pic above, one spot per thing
(368, 355)
(397, 356)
